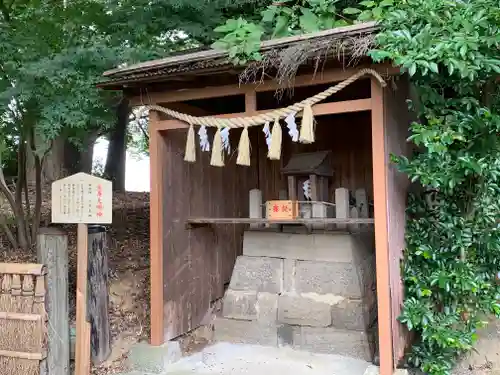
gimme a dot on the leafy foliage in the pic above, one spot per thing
(52, 55)
(452, 259)
(242, 37)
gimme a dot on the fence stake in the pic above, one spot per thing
(98, 296)
(52, 250)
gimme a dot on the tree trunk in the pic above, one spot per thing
(79, 160)
(53, 166)
(115, 160)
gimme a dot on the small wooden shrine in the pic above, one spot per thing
(220, 151)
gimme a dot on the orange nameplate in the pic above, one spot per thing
(282, 210)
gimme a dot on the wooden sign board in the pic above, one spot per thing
(82, 199)
(282, 210)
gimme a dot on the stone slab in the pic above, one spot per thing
(232, 359)
(240, 305)
(320, 247)
(289, 275)
(245, 332)
(344, 279)
(299, 310)
(267, 307)
(329, 340)
(353, 315)
(258, 274)
(153, 359)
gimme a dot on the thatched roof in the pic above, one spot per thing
(284, 56)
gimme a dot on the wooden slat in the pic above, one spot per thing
(22, 269)
(328, 76)
(23, 355)
(346, 106)
(20, 316)
(227, 220)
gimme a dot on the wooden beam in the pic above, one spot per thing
(23, 269)
(250, 102)
(245, 220)
(156, 229)
(328, 76)
(321, 109)
(380, 168)
(188, 109)
(23, 355)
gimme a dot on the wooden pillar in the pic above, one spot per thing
(52, 251)
(380, 159)
(156, 153)
(98, 296)
(342, 205)
(255, 206)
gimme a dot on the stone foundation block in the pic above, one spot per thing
(257, 274)
(329, 278)
(299, 310)
(334, 247)
(353, 314)
(267, 307)
(240, 305)
(245, 332)
(145, 358)
(333, 341)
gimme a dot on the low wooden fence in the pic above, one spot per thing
(23, 319)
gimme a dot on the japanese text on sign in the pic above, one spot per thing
(82, 198)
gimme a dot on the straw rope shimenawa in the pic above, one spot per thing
(306, 131)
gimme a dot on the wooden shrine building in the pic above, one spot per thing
(202, 208)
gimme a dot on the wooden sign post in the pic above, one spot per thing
(82, 199)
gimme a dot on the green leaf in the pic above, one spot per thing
(368, 3)
(309, 21)
(351, 11)
(269, 14)
(281, 26)
(433, 67)
(412, 69)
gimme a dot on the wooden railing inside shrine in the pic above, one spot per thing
(341, 215)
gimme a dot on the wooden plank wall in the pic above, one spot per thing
(198, 262)
(396, 125)
(348, 136)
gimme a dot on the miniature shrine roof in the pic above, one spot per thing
(309, 163)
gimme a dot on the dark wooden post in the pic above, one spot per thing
(98, 296)
(52, 251)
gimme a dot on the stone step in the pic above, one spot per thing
(299, 309)
(148, 359)
(327, 340)
(274, 275)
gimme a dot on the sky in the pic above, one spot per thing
(136, 169)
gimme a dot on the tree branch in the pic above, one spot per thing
(8, 232)
(38, 185)
(5, 10)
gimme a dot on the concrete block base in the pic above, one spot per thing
(350, 343)
(245, 332)
(145, 358)
(312, 292)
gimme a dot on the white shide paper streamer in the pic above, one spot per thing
(204, 143)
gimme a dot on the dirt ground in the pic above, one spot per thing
(128, 251)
